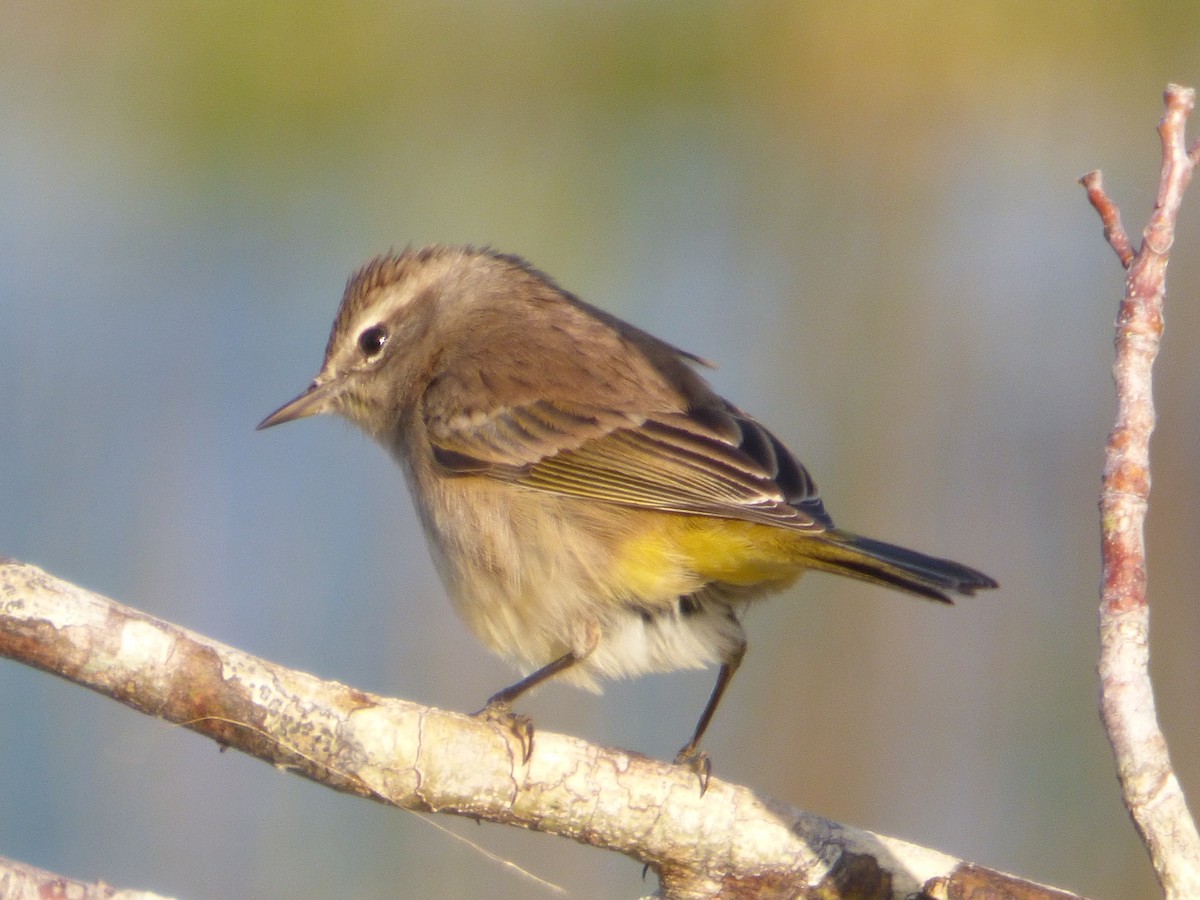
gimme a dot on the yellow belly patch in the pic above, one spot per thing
(674, 554)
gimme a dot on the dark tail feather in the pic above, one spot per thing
(844, 553)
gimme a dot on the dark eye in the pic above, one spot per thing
(371, 341)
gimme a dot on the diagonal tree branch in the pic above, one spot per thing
(727, 843)
(19, 880)
(1151, 791)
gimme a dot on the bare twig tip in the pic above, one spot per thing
(1182, 93)
(1110, 217)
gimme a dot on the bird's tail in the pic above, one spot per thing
(845, 553)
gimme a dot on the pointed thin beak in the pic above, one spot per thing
(317, 399)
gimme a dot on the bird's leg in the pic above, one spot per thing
(503, 699)
(499, 705)
(691, 756)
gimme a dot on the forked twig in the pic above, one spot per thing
(1151, 791)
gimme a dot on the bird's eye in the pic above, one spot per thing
(371, 341)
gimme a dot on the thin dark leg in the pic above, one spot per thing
(498, 705)
(690, 754)
(503, 699)
(714, 700)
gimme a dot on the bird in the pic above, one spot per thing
(595, 509)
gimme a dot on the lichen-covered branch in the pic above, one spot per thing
(1151, 791)
(19, 880)
(727, 842)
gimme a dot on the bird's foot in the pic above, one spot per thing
(521, 726)
(697, 760)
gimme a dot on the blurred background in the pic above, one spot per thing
(866, 213)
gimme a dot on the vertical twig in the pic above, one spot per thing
(1151, 791)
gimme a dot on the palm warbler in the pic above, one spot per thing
(594, 508)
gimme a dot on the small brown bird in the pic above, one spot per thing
(594, 508)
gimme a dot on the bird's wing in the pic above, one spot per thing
(711, 461)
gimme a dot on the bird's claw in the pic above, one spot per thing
(698, 761)
(520, 725)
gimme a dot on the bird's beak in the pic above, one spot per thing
(318, 398)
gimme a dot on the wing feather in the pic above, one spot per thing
(717, 462)
(587, 406)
